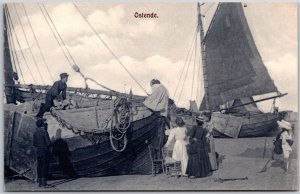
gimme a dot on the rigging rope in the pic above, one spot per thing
(97, 83)
(34, 60)
(67, 53)
(57, 36)
(99, 37)
(186, 73)
(13, 54)
(185, 63)
(10, 46)
(14, 32)
(193, 80)
(51, 76)
(198, 82)
(208, 9)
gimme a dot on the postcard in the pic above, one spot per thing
(150, 96)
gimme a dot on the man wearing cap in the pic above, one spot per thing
(42, 143)
(59, 87)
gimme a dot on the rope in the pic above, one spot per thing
(97, 83)
(185, 63)
(13, 28)
(11, 50)
(34, 60)
(198, 80)
(193, 80)
(55, 36)
(51, 76)
(12, 45)
(67, 53)
(186, 73)
(99, 37)
(208, 8)
(122, 122)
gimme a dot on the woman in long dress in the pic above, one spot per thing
(179, 150)
(198, 162)
(286, 137)
(211, 153)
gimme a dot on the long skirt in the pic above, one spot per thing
(212, 153)
(199, 164)
(180, 154)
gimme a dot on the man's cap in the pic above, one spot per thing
(63, 75)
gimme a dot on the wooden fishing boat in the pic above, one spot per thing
(234, 72)
(102, 132)
(107, 132)
(92, 148)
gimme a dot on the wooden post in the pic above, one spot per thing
(202, 43)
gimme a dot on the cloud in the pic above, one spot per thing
(152, 48)
(113, 75)
(284, 71)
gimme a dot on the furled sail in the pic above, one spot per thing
(234, 66)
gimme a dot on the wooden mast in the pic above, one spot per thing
(8, 69)
(202, 43)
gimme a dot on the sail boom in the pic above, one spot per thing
(256, 101)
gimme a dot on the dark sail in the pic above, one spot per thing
(234, 66)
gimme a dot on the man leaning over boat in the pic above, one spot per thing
(59, 87)
(157, 102)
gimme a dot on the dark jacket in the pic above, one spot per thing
(41, 142)
(57, 88)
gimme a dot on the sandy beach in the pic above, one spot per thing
(239, 158)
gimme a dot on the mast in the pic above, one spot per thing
(202, 43)
(9, 82)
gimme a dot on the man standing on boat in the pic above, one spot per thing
(42, 143)
(157, 102)
(59, 87)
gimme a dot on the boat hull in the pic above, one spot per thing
(85, 158)
(255, 125)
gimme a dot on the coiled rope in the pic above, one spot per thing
(122, 118)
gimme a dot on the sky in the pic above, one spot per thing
(149, 47)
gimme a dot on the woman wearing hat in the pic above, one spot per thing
(286, 136)
(179, 150)
(198, 163)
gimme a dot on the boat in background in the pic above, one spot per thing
(233, 72)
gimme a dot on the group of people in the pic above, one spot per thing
(194, 147)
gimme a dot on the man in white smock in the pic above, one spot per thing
(157, 102)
